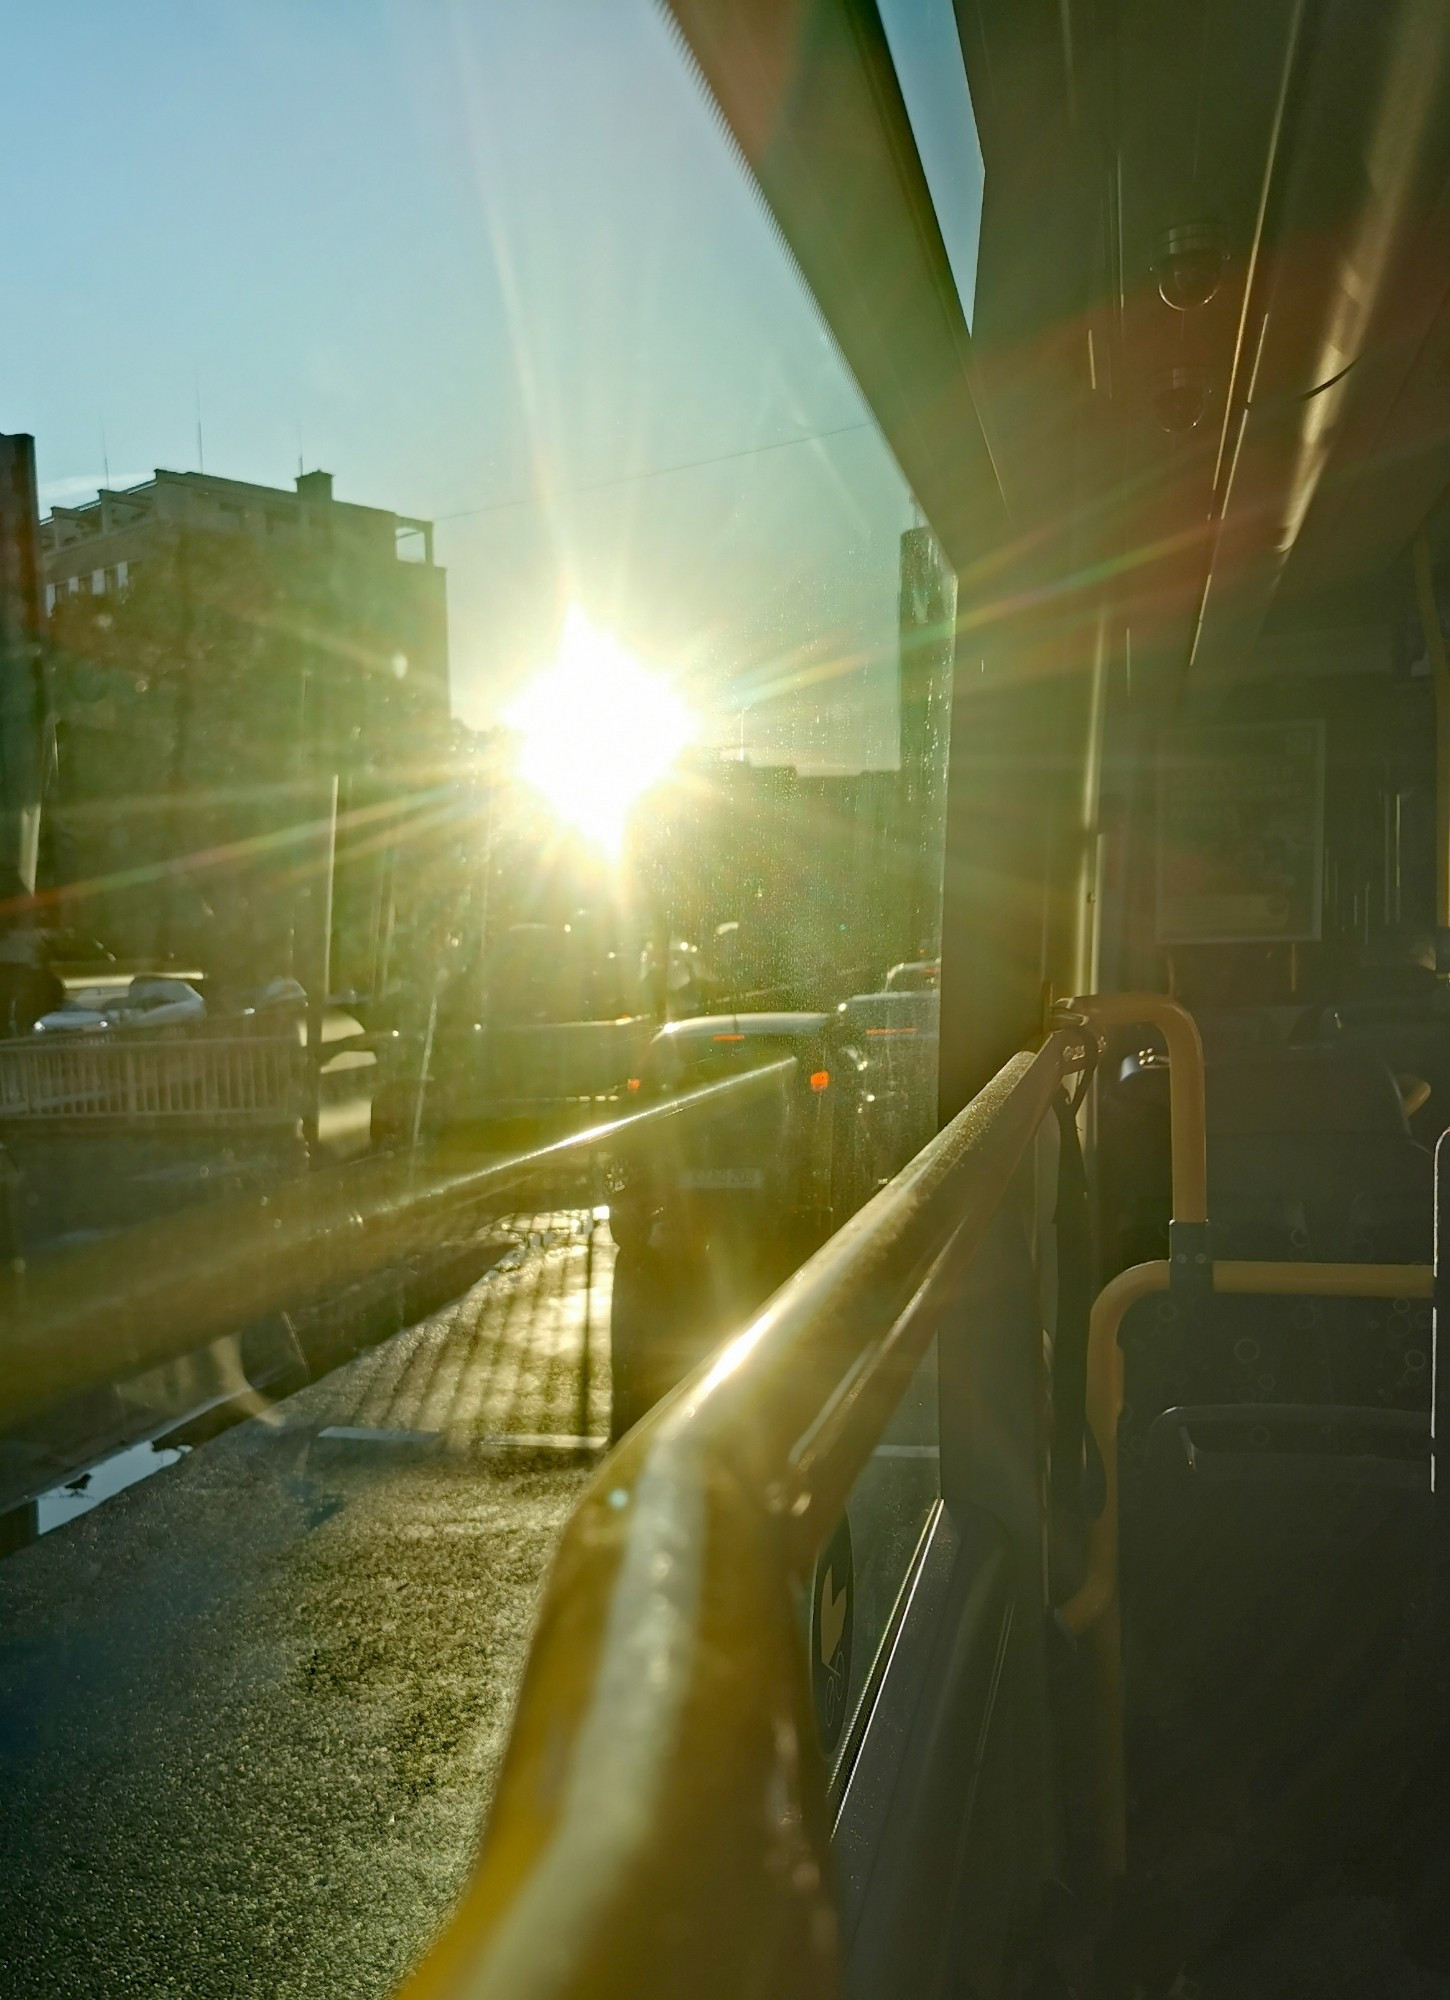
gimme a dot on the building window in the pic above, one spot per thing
(50, 597)
(123, 575)
(98, 583)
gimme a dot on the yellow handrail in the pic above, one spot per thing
(1186, 1116)
(660, 1823)
(662, 1798)
(97, 1313)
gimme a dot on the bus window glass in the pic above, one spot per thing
(460, 629)
(862, 1579)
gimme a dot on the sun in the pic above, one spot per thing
(596, 730)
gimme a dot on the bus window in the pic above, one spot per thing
(461, 622)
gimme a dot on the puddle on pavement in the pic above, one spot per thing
(102, 1482)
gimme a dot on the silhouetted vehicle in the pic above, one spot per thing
(921, 975)
(146, 1004)
(272, 1006)
(896, 1036)
(28, 987)
(721, 1210)
(82, 1011)
(158, 1003)
(547, 1037)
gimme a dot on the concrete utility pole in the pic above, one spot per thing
(22, 684)
(927, 628)
(319, 983)
(1429, 610)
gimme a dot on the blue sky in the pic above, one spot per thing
(475, 255)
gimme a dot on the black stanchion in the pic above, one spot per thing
(12, 1241)
(1440, 1367)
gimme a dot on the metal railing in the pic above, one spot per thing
(105, 1310)
(660, 1821)
(134, 1082)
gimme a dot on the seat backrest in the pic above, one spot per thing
(1309, 1155)
(1350, 1353)
(1301, 1091)
(1412, 1040)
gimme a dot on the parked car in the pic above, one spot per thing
(77, 1014)
(28, 986)
(145, 1005)
(273, 1005)
(149, 1004)
(84, 1010)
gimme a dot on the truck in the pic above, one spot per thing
(549, 1036)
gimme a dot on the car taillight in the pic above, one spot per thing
(820, 1078)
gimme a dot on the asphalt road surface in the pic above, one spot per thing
(251, 1709)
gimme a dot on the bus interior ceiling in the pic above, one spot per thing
(1191, 467)
(1214, 504)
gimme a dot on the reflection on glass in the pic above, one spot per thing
(887, 1515)
(472, 667)
(927, 52)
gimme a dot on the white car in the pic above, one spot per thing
(145, 1004)
(81, 1012)
(157, 1003)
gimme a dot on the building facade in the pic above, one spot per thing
(223, 657)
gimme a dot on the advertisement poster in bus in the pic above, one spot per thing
(1241, 834)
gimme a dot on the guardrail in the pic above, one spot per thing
(109, 1309)
(118, 1080)
(660, 1820)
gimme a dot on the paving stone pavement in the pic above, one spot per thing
(251, 1709)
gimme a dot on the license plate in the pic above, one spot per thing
(703, 1178)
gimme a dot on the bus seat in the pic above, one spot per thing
(1246, 1032)
(1411, 1037)
(1304, 1090)
(1329, 1128)
(1273, 1452)
(1268, 1449)
(1277, 1573)
(1369, 1354)
(1318, 1135)
(1392, 1222)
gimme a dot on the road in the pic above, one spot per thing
(251, 1709)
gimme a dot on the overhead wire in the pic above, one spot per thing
(657, 471)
